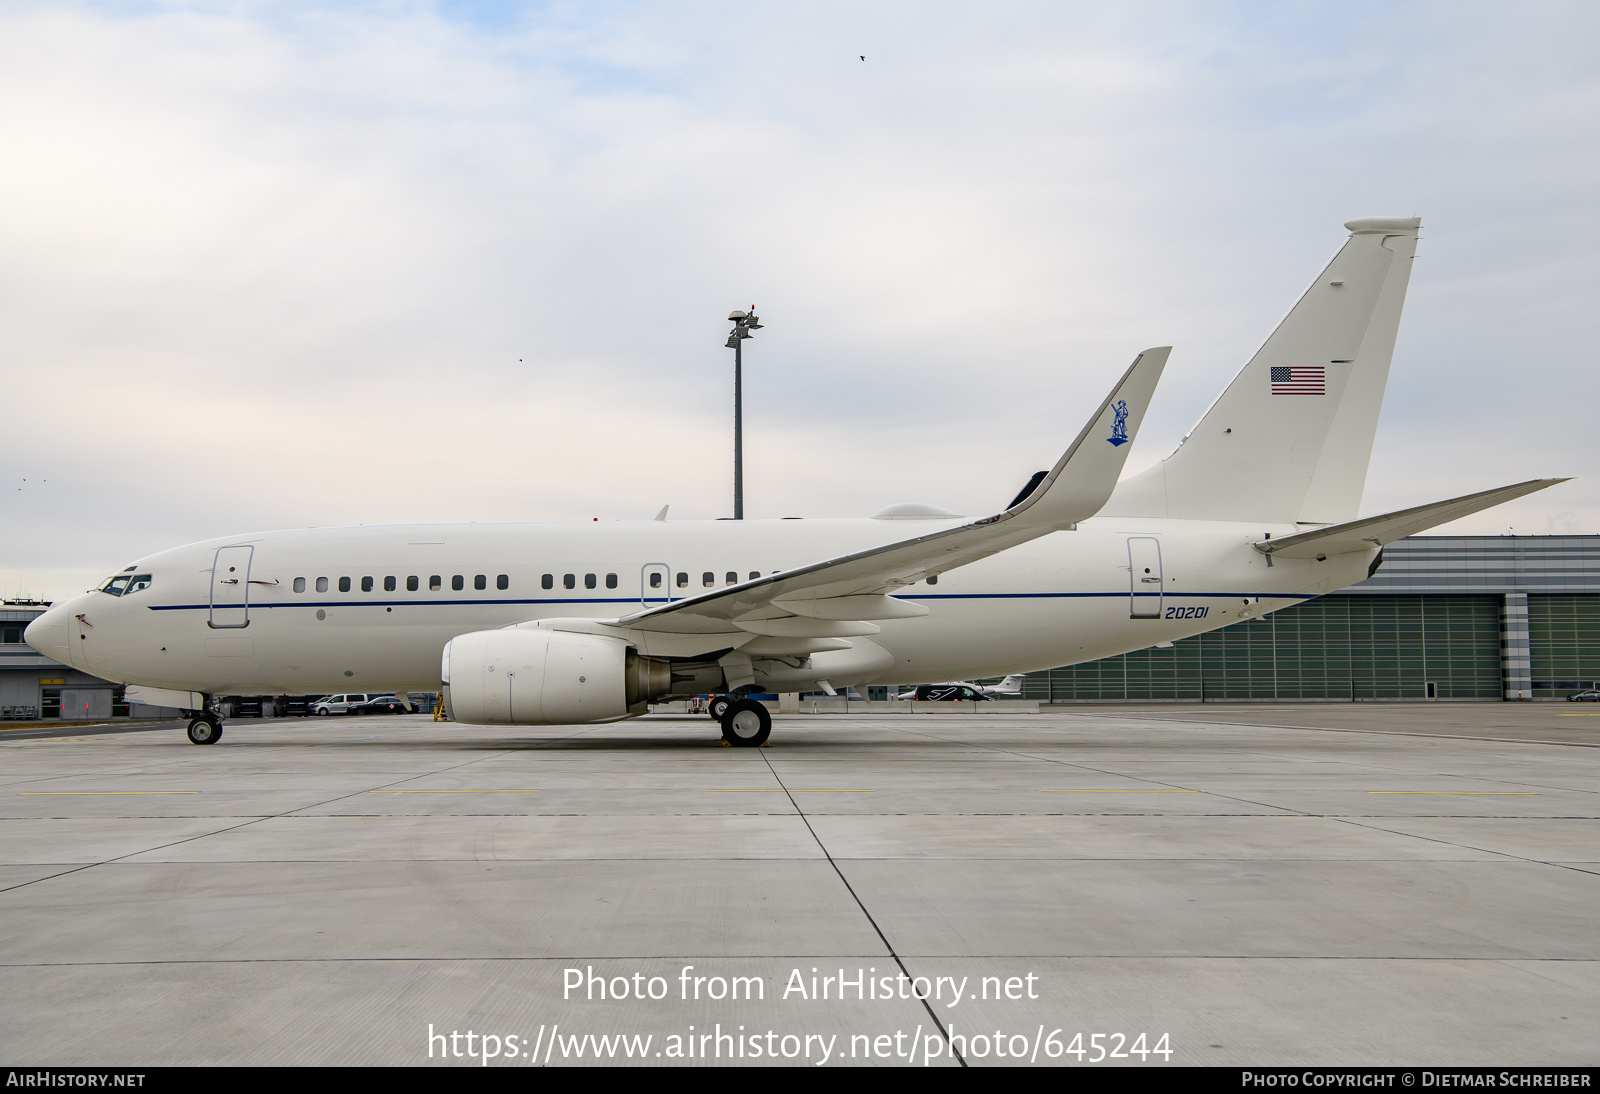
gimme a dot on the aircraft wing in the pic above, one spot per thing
(1370, 532)
(834, 597)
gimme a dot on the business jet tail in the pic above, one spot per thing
(1011, 685)
(1291, 437)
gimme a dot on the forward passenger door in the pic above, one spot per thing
(230, 588)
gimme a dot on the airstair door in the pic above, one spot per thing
(230, 588)
(655, 584)
(1144, 577)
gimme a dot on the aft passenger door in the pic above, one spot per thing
(230, 588)
(655, 584)
(1144, 577)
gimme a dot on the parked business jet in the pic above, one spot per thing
(539, 624)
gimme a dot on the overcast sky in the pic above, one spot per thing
(282, 265)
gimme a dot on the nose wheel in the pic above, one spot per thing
(717, 707)
(746, 724)
(205, 731)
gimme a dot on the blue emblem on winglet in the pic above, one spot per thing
(1119, 428)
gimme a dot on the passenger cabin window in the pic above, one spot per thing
(569, 581)
(733, 578)
(754, 574)
(411, 583)
(458, 583)
(611, 580)
(503, 581)
(344, 585)
(366, 584)
(548, 581)
(683, 580)
(708, 579)
(322, 585)
(299, 584)
(435, 583)
(388, 584)
(590, 581)
(655, 581)
(480, 582)
(933, 579)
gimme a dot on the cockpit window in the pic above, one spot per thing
(116, 585)
(140, 581)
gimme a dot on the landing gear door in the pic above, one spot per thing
(230, 588)
(655, 584)
(1144, 577)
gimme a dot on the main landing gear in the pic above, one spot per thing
(745, 723)
(205, 729)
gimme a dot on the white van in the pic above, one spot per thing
(342, 704)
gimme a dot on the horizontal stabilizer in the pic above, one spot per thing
(1372, 532)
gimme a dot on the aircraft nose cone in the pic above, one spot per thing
(48, 635)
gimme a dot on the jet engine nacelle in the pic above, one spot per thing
(540, 676)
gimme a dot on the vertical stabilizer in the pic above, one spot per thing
(1291, 437)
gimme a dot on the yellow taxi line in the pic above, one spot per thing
(1466, 793)
(452, 792)
(1121, 791)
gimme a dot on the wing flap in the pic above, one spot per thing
(1371, 532)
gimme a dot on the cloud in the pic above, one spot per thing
(280, 265)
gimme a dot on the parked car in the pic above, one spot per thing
(380, 704)
(1584, 697)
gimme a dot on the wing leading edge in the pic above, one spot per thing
(853, 588)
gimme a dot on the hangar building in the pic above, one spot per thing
(1445, 617)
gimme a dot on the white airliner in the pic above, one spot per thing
(541, 624)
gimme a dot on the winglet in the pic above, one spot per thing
(1082, 480)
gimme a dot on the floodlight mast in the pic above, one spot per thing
(743, 323)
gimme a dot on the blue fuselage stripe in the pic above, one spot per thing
(655, 603)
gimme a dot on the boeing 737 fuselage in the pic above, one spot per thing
(581, 623)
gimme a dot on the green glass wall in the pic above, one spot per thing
(1338, 647)
(1564, 632)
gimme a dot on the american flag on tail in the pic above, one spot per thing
(1299, 380)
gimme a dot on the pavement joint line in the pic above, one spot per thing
(426, 959)
(452, 791)
(1467, 793)
(786, 790)
(949, 1044)
(1122, 791)
(1378, 732)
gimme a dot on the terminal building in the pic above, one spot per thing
(1444, 618)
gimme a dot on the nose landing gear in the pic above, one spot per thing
(205, 729)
